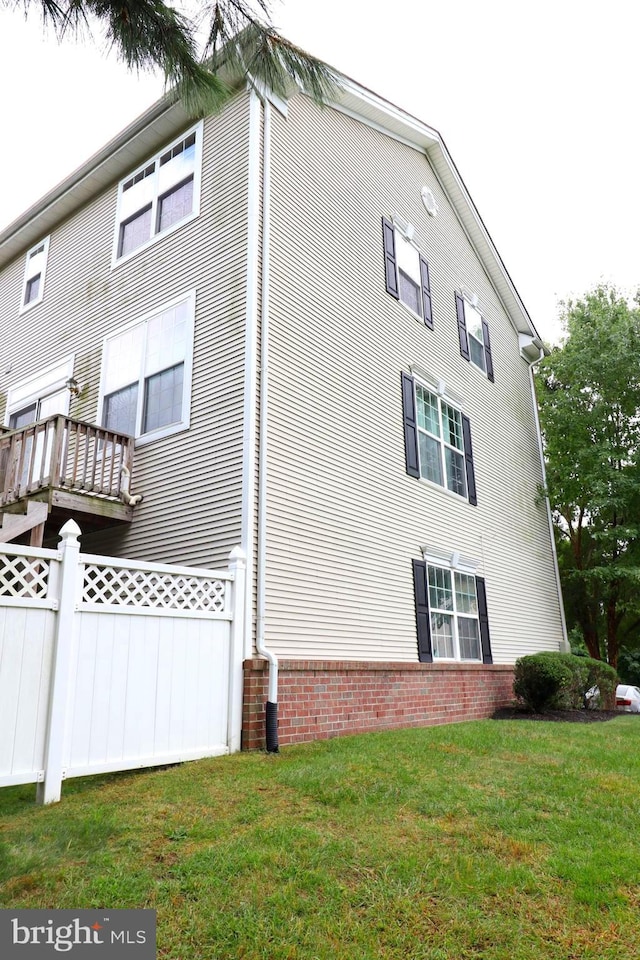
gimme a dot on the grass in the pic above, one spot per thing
(495, 840)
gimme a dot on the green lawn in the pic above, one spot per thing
(502, 840)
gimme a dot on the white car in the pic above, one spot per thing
(628, 698)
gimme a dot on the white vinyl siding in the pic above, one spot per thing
(344, 519)
(191, 480)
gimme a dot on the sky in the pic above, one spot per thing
(538, 105)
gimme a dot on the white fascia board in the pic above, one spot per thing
(266, 93)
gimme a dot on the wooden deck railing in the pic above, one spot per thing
(64, 454)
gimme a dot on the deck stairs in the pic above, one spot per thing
(15, 525)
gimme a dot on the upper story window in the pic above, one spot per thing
(473, 332)
(440, 447)
(437, 440)
(161, 195)
(406, 270)
(146, 380)
(34, 274)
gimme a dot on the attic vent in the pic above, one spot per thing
(429, 201)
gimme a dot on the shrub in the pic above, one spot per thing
(541, 678)
(561, 681)
(605, 678)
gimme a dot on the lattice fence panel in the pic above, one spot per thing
(121, 587)
(23, 577)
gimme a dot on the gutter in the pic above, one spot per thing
(566, 647)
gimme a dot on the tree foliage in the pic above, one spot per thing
(589, 396)
(150, 34)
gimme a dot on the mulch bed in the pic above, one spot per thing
(557, 716)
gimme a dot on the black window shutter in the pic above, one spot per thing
(468, 461)
(426, 293)
(390, 271)
(484, 620)
(410, 427)
(421, 595)
(487, 350)
(462, 327)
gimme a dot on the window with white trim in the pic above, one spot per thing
(40, 396)
(407, 270)
(452, 620)
(473, 332)
(163, 194)
(476, 339)
(146, 381)
(440, 441)
(437, 437)
(453, 609)
(34, 274)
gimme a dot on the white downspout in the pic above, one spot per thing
(565, 639)
(264, 410)
(250, 368)
(255, 258)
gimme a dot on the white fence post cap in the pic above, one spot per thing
(237, 555)
(70, 531)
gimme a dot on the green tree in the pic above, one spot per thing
(240, 43)
(589, 396)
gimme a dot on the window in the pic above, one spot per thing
(437, 440)
(40, 396)
(163, 194)
(473, 332)
(147, 374)
(406, 272)
(34, 274)
(453, 605)
(451, 612)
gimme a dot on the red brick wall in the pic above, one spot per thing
(318, 699)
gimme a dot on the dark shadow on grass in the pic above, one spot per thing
(517, 712)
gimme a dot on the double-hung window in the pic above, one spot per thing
(453, 604)
(451, 611)
(146, 379)
(406, 271)
(161, 195)
(437, 439)
(440, 446)
(34, 274)
(473, 333)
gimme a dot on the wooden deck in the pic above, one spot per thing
(75, 467)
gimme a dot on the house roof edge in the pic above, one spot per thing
(166, 117)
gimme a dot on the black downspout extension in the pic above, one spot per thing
(272, 727)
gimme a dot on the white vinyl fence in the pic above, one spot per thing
(109, 664)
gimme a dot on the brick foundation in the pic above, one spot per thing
(318, 699)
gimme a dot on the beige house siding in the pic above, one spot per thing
(188, 515)
(344, 519)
